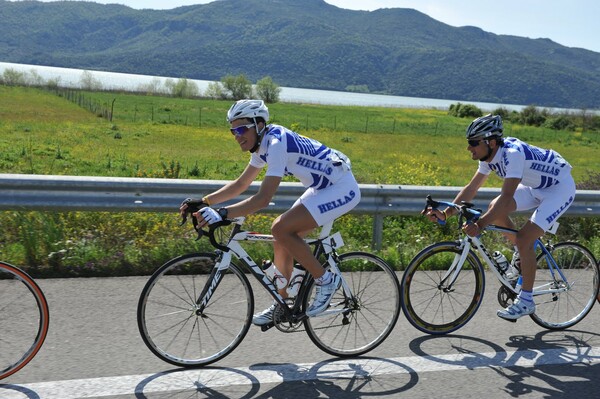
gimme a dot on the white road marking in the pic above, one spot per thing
(198, 379)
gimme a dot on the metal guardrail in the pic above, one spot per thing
(115, 194)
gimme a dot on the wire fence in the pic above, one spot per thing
(208, 113)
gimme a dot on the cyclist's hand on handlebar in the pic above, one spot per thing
(207, 215)
(192, 203)
(434, 215)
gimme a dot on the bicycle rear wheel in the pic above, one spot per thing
(429, 303)
(167, 317)
(565, 309)
(364, 321)
(24, 319)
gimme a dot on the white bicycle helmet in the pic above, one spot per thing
(248, 109)
(484, 127)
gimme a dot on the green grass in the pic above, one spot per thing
(151, 136)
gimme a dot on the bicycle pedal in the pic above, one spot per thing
(266, 327)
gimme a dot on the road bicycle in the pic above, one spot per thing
(444, 284)
(24, 319)
(197, 308)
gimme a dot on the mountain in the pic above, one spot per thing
(303, 43)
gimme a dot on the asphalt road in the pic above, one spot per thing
(94, 350)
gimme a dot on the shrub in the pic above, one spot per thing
(464, 111)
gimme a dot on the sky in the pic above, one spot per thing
(571, 23)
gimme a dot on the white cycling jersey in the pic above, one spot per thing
(537, 168)
(546, 182)
(286, 153)
(331, 189)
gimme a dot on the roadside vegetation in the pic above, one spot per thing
(48, 131)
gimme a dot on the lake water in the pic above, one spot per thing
(71, 78)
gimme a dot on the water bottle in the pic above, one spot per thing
(295, 281)
(501, 261)
(278, 280)
(519, 284)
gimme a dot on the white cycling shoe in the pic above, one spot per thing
(264, 317)
(324, 295)
(517, 310)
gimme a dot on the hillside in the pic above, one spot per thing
(303, 43)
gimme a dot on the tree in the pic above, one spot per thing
(532, 116)
(152, 87)
(185, 89)
(268, 90)
(464, 110)
(238, 86)
(12, 77)
(216, 90)
(87, 81)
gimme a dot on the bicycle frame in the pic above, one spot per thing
(324, 244)
(467, 243)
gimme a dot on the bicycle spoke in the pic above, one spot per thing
(358, 330)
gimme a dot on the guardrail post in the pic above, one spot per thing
(377, 231)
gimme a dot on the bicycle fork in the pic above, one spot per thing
(451, 274)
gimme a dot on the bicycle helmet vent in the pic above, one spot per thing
(484, 127)
(248, 109)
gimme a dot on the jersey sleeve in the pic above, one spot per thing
(277, 157)
(514, 162)
(257, 161)
(484, 168)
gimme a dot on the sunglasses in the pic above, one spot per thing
(238, 131)
(474, 143)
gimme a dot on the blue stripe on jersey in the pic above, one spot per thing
(303, 145)
(535, 153)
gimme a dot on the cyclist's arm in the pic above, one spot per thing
(258, 201)
(468, 192)
(235, 187)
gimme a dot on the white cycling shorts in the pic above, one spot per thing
(550, 203)
(328, 204)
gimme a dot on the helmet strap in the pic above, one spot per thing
(259, 136)
(489, 153)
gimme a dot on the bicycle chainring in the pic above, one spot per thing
(505, 297)
(282, 323)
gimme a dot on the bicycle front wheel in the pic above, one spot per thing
(168, 317)
(433, 300)
(353, 326)
(578, 286)
(24, 319)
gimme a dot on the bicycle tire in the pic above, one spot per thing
(426, 304)
(167, 318)
(564, 310)
(25, 319)
(368, 321)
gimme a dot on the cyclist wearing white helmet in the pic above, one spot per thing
(534, 178)
(331, 191)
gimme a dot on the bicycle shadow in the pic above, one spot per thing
(537, 365)
(347, 378)
(558, 348)
(209, 382)
(340, 378)
(27, 393)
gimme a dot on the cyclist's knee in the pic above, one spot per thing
(280, 229)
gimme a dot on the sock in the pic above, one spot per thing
(324, 279)
(526, 296)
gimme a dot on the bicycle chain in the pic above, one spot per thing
(287, 327)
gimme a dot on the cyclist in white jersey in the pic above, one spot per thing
(331, 191)
(534, 178)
